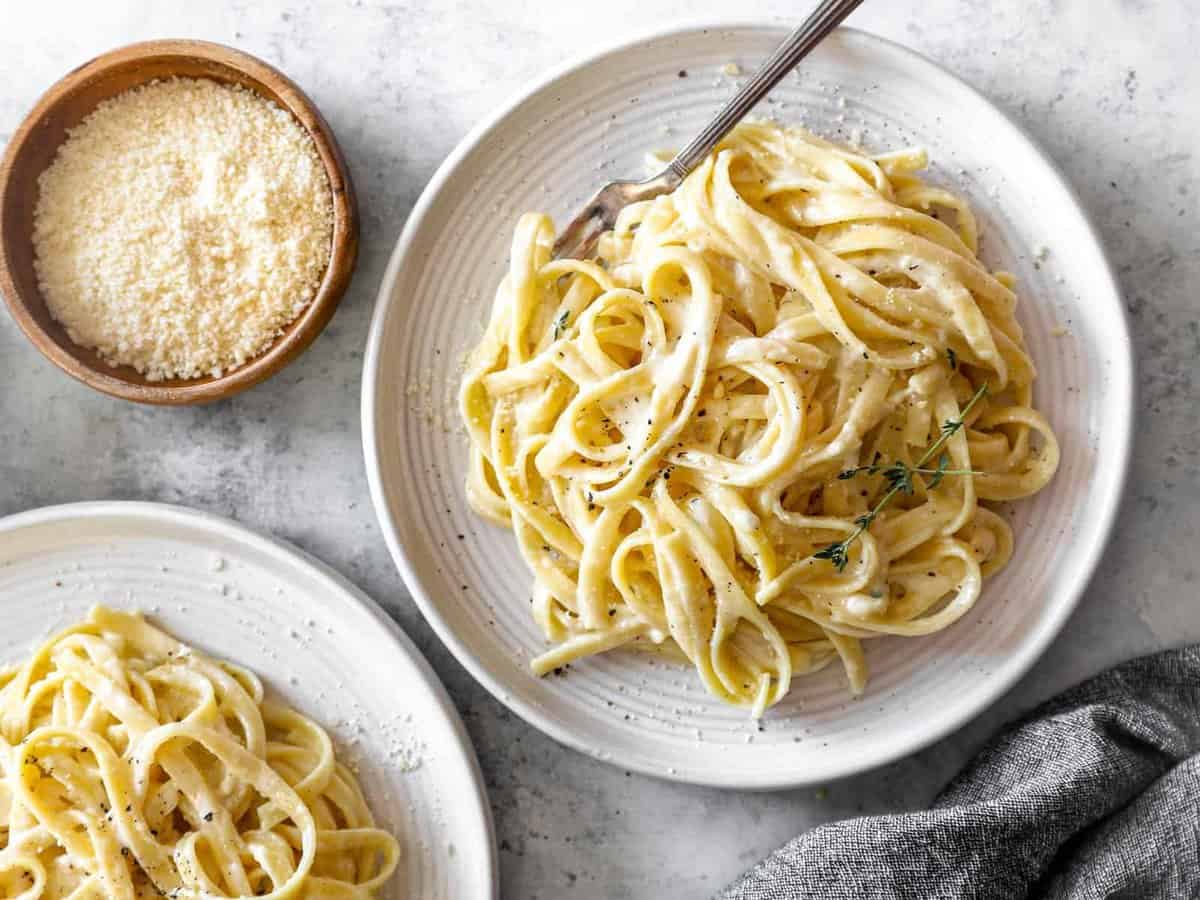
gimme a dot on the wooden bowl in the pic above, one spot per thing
(32, 149)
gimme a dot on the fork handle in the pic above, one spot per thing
(826, 17)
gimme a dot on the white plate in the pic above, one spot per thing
(316, 640)
(594, 120)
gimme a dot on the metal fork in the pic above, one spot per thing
(579, 238)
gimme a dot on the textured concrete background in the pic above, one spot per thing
(1109, 88)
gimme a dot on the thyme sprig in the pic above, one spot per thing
(899, 477)
(560, 323)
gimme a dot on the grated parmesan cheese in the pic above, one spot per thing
(181, 226)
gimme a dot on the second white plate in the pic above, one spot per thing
(310, 635)
(595, 120)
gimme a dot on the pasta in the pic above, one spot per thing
(763, 424)
(132, 766)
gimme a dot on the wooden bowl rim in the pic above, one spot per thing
(301, 332)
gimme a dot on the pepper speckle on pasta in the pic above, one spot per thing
(133, 766)
(758, 427)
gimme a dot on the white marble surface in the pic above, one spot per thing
(1109, 87)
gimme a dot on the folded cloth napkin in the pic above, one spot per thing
(1096, 793)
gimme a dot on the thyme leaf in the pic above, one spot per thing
(560, 323)
(943, 466)
(835, 553)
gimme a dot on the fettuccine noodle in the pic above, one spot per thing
(664, 427)
(133, 766)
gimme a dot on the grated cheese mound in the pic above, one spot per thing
(181, 226)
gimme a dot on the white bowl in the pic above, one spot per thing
(594, 120)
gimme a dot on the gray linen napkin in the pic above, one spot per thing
(1095, 794)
